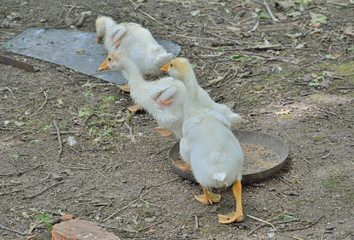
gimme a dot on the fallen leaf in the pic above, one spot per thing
(320, 20)
(19, 124)
(333, 56)
(349, 31)
(293, 14)
(195, 13)
(236, 57)
(270, 46)
(60, 101)
(151, 230)
(211, 82)
(294, 36)
(283, 111)
(301, 45)
(282, 5)
(287, 217)
(318, 24)
(263, 15)
(81, 51)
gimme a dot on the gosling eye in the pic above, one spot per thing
(171, 65)
(109, 59)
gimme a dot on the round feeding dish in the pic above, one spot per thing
(264, 156)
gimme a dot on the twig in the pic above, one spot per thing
(196, 221)
(18, 134)
(149, 16)
(11, 230)
(326, 111)
(224, 38)
(137, 199)
(301, 228)
(339, 4)
(14, 191)
(37, 194)
(265, 224)
(20, 173)
(99, 172)
(264, 3)
(132, 138)
(11, 92)
(59, 140)
(254, 28)
(162, 150)
(45, 101)
(263, 221)
(78, 168)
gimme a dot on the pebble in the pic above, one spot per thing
(150, 219)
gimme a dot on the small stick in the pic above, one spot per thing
(11, 230)
(264, 3)
(149, 16)
(10, 92)
(263, 221)
(224, 38)
(59, 140)
(37, 194)
(132, 138)
(20, 173)
(14, 191)
(78, 168)
(15, 63)
(137, 199)
(99, 172)
(301, 228)
(196, 221)
(45, 101)
(339, 4)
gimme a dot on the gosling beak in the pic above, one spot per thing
(103, 66)
(165, 67)
(99, 39)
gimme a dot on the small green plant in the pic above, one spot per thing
(47, 127)
(85, 112)
(45, 218)
(107, 105)
(315, 82)
(129, 117)
(219, 50)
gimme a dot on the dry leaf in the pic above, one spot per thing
(283, 111)
(318, 24)
(211, 82)
(60, 102)
(336, 55)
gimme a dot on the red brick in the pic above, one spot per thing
(80, 230)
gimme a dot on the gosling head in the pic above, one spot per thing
(102, 23)
(112, 62)
(178, 68)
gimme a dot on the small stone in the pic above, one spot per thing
(150, 219)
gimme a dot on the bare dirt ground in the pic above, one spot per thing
(293, 79)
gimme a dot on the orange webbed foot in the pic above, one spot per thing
(124, 88)
(184, 167)
(134, 108)
(211, 198)
(163, 132)
(231, 217)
